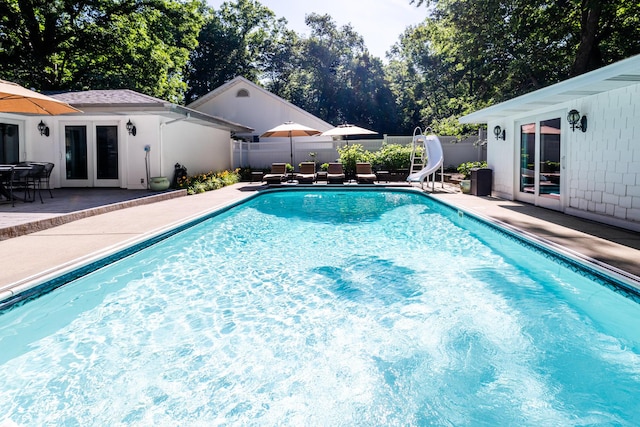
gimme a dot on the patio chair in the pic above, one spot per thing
(335, 173)
(307, 174)
(45, 177)
(277, 175)
(364, 173)
(25, 179)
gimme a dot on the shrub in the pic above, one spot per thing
(465, 168)
(352, 154)
(200, 183)
(392, 157)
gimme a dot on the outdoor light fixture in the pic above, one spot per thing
(131, 128)
(43, 128)
(574, 117)
(500, 133)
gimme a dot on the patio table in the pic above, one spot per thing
(7, 173)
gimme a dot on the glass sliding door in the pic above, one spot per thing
(549, 173)
(91, 156)
(528, 158)
(540, 169)
(106, 153)
(76, 153)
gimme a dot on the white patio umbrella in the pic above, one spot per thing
(347, 130)
(290, 129)
(17, 99)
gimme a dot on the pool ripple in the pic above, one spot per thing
(270, 314)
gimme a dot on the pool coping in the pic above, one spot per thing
(46, 281)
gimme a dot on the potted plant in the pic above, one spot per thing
(465, 170)
(159, 183)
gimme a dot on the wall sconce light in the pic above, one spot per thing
(574, 117)
(131, 128)
(43, 128)
(500, 133)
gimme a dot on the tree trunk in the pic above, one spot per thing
(588, 56)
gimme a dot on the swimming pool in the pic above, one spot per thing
(326, 308)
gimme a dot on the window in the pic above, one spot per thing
(242, 93)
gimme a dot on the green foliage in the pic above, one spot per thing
(351, 154)
(465, 168)
(465, 55)
(392, 157)
(241, 38)
(334, 77)
(99, 44)
(209, 181)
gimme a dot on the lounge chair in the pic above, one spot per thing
(364, 173)
(307, 174)
(277, 175)
(335, 173)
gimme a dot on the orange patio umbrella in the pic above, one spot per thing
(17, 99)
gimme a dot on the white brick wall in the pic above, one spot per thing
(606, 163)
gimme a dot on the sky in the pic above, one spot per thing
(379, 22)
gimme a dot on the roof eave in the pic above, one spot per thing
(617, 75)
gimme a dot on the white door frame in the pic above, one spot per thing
(91, 135)
(551, 202)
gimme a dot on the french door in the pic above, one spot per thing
(91, 156)
(541, 163)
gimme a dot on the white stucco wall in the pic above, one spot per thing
(260, 110)
(200, 148)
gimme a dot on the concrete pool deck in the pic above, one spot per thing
(45, 253)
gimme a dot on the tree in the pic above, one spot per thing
(99, 44)
(472, 53)
(242, 38)
(337, 79)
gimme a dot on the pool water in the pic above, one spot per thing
(325, 308)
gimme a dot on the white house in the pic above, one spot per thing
(242, 101)
(120, 138)
(573, 146)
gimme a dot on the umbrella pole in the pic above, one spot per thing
(291, 152)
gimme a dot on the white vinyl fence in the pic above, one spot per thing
(260, 155)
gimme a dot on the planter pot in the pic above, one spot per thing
(465, 186)
(159, 183)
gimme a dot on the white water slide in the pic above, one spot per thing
(431, 146)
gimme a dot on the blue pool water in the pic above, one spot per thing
(326, 308)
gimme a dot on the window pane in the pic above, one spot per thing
(107, 152)
(527, 157)
(550, 158)
(75, 139)
(9, 144)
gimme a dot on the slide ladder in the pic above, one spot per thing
(426, 147)
(418, 151)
